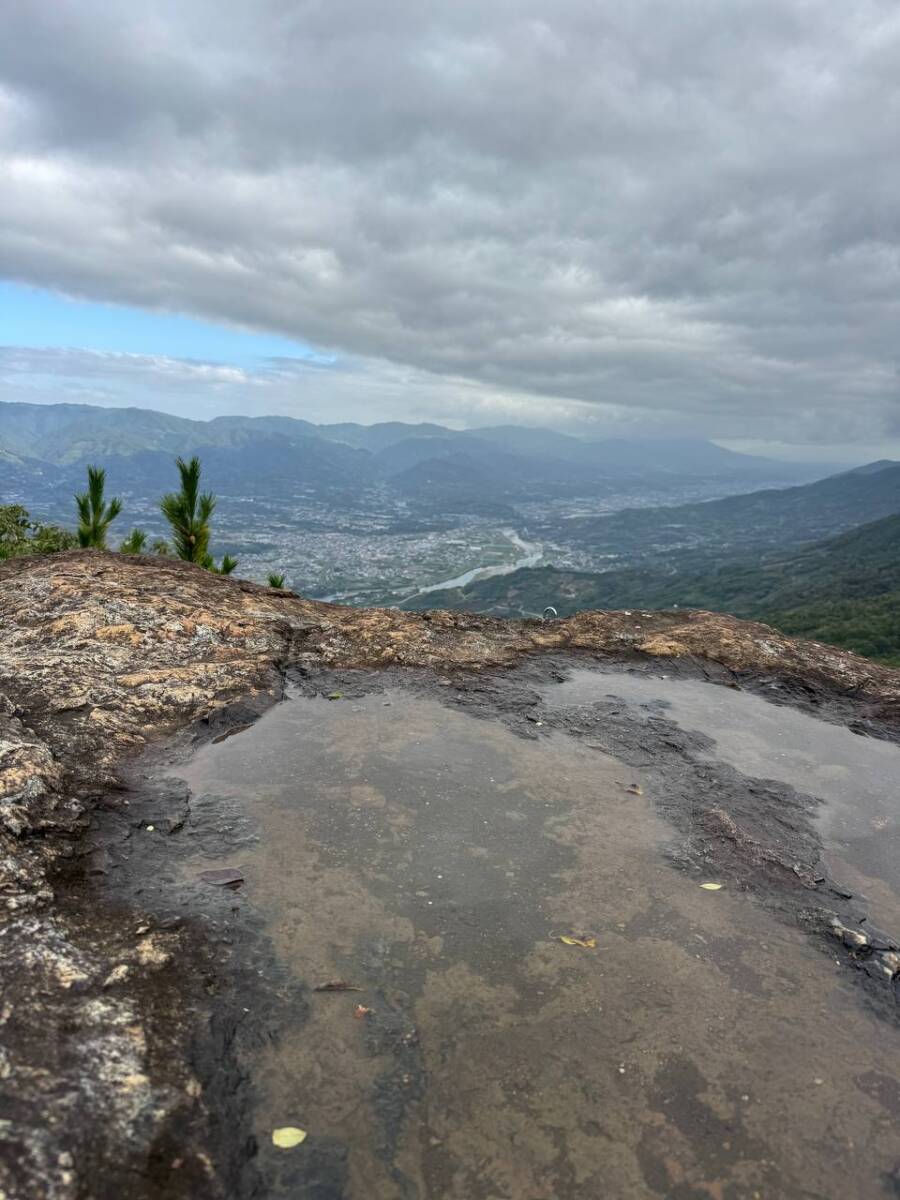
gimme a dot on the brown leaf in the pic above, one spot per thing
(586, 941)
(360, 1012)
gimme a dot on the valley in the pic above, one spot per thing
(381, 514)
(759, 555)
(504, 521)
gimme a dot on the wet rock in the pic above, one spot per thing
(877, 968)
(155, 950)
(104, 653)
(879, 940)
(853, 939)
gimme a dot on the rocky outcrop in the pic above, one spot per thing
(102, 654)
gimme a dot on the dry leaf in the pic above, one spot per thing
(586, 943)
(711, 887)
(361, 1011)
(288, 1136)
(337, 985)
(635, 789)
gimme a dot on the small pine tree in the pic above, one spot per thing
(134, 543)
(188, 513)
(94, 515)
(276, 581)
(225, 567)
(161, 547)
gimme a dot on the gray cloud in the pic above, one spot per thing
(323, 391)
(681, 212)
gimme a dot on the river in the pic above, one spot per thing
(533, 553)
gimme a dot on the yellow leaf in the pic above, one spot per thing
(711, 887)
(288, 1136)
(587, 943)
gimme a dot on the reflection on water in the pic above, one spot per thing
(856, 777)
(432, 860)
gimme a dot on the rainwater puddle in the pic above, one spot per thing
(857, 778)
(432, 860)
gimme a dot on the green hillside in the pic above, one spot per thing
(761, 520)
(845, 590)
(868, 626)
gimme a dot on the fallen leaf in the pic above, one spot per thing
(635, 789)
(288, 1136)
(335, 695)
(337, 985)
(586, 943)
(223, 877)
(712, 887)
(361, 1011)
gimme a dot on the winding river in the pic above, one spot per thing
(533, 552)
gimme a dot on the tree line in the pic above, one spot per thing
(188, 513)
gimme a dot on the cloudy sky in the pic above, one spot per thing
(618, 216)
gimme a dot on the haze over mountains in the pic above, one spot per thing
(430, 466)
(71, 434)
(768, 517)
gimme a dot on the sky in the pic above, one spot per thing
(613, 218)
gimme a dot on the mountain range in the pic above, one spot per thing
(429, 466)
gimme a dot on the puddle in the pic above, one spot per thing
(432, 860)
(857, 778)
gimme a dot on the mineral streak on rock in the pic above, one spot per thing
(101, 654)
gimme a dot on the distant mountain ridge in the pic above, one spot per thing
(66, 433)
(441, 469)
(751, 520)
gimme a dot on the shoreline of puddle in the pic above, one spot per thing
(853, 778)
(431, 959)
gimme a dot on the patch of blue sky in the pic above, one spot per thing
(35, 318)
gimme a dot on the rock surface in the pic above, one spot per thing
(103, 654)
